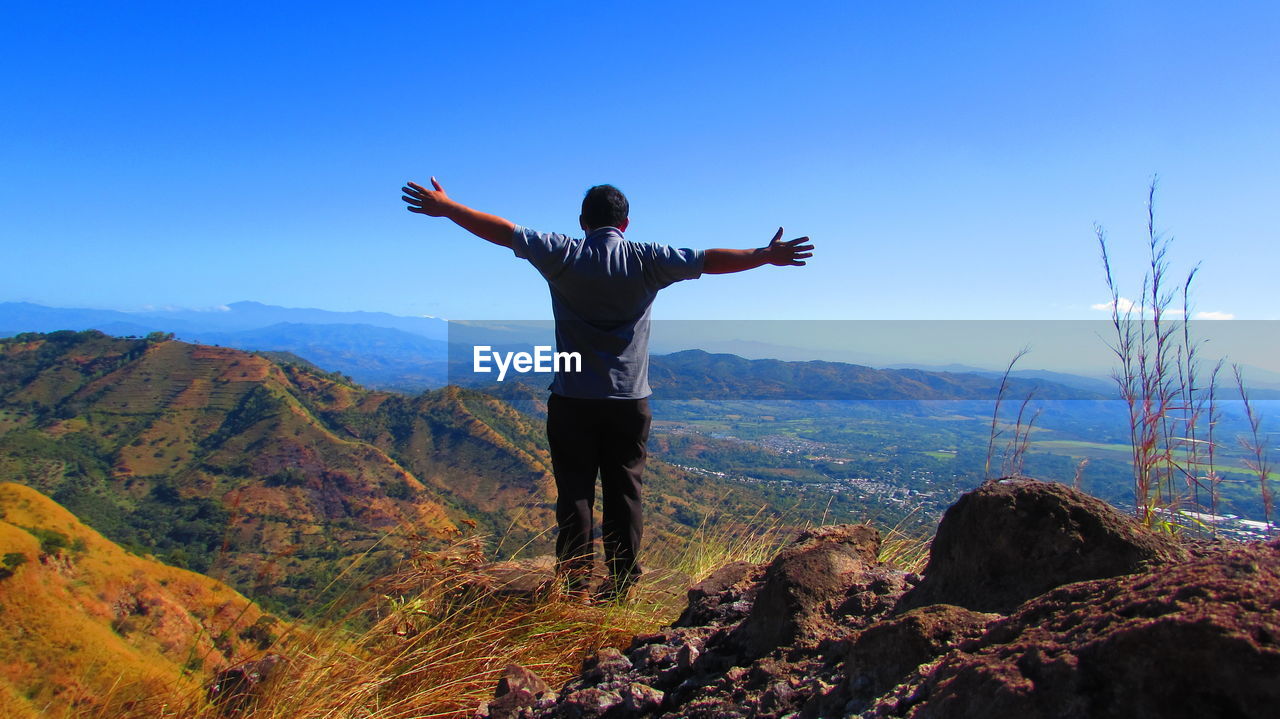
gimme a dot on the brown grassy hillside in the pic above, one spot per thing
(89, 625)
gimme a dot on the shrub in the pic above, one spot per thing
(11, 562)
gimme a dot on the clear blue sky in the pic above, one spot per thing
(948, 159)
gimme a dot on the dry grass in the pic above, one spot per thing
(429, 644)
(909, 551)
(1172, 409)
(1157, 379)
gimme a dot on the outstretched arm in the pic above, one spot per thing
(435, 203)
(790, 252)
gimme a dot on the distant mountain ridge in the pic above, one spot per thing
(703, 375)
(373, 356)
(18, 317)
(412, 354)
(376, 349)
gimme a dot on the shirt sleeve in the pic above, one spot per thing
(547, 251)
(668, 265)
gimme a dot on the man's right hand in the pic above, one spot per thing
(426, 202)
(435, 203)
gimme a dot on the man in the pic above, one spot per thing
(602, 289)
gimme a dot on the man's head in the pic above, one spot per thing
(604, 206)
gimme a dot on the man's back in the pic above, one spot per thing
(602, 291)
(598, 419)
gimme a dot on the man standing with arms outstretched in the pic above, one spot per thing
(602, 290)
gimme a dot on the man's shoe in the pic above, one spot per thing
(611, 592)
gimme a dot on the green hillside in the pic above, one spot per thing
(211, 458)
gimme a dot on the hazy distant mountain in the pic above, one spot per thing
(1091, 384)
(18, 317)
(255, 315)
(386, 351)
(376, 357)
(698, 374)
(374, 348)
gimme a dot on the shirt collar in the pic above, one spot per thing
(603, 231)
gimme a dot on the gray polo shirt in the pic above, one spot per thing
(602, 288)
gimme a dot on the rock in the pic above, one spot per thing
(686, 657)
(237, 688)
(605, 664)
(640, 698)
(804, 585)
(653, 657)
(518, 688)
(824, 630)
(516, 678)
(1014, 539)
(589, 703)
(888, 651)
(1196, 639)
(529, 579)
(718, 598)
(874, 593)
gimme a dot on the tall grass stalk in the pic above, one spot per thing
(1016, 448)
(1173, 414)
(1259, 461)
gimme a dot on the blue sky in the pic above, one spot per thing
(948, 160)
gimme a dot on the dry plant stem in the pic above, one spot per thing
(995, 412)
(1016, 450)
(1211, 475)
(1158, 373)
(1192, 401)
(1255, 445)
(1126, 376)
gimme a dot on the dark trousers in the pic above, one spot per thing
(608, 437)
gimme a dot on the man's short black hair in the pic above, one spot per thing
(604, 206)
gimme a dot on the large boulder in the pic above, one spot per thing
(1195, 639)
(723, 597)
(1016, 538)
(804, 586)
(888, 651)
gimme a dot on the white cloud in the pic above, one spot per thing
(1128, 306)
(1214, 316)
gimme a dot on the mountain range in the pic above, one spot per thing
(276, 476)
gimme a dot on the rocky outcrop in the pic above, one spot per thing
(1198, 639)
(805, 586)
(890, 651)
(1095, 616)
(1016, 538)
